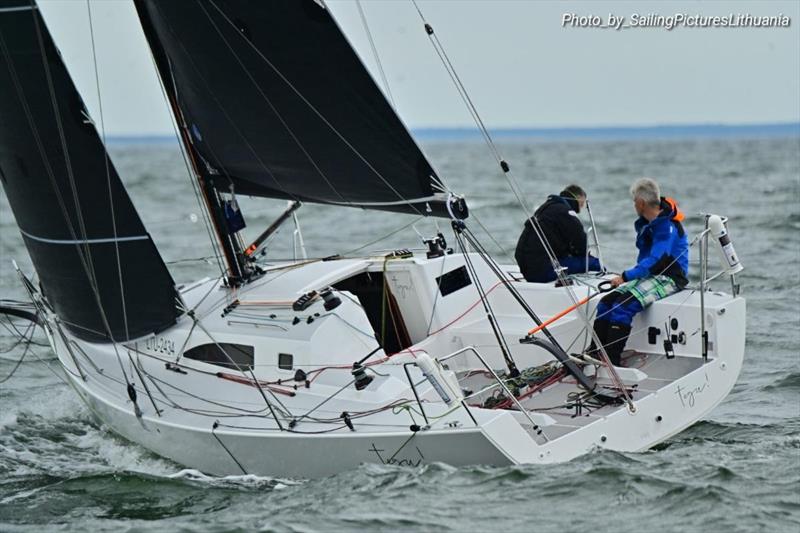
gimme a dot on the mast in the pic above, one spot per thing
(238, 269)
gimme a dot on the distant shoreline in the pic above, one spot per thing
(632, 133)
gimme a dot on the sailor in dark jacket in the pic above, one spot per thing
(558, 220)
(661, 269)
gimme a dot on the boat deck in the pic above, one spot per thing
(558, 401)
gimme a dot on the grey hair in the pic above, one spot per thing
(646, 189)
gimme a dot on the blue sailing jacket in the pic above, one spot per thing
(663, 246)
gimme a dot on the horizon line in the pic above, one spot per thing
(767, 129)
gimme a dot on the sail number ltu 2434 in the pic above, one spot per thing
(160, 345)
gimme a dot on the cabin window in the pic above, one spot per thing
(221, 354)
(285, 361)
(454, 280)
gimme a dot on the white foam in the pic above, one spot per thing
(249, 480)
(117, 455)
(8, 419)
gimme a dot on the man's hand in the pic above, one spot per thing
(617, 281)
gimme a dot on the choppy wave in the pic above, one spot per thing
(789, 382)
(736, 471)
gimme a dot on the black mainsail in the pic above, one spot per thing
(97, 265)
(276, 104)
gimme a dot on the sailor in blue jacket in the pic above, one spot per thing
(661, 268)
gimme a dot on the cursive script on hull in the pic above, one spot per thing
(394, 460)
(688, 396)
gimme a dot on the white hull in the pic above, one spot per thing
(670, 394)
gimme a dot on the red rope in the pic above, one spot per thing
(462, 315)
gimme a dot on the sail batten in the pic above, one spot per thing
(279, 105)
(97, 265)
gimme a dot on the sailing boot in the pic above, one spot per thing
(615, 342)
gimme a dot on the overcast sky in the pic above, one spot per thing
(521, 67)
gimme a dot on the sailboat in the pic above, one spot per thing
(309, 367)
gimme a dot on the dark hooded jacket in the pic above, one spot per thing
(563, 230)
(663, 246)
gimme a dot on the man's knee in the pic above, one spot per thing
(618, 307)
(624, 312)
(607, 304)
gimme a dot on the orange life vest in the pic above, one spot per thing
(678, 216)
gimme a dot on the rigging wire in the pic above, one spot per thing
(504, 166)
(108, 172)
(439, 280)
(514, 186)
(86, 260)
(241, 370)
(189, 172)
(304, 99)
(492, 238)
(226, 241)
(375, 53)
(101, 119)
(490, 315)
(268, 100)
(26, 337)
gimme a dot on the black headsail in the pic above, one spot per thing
(97, 265)
(277, 104)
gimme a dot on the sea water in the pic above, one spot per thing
(736, 470)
